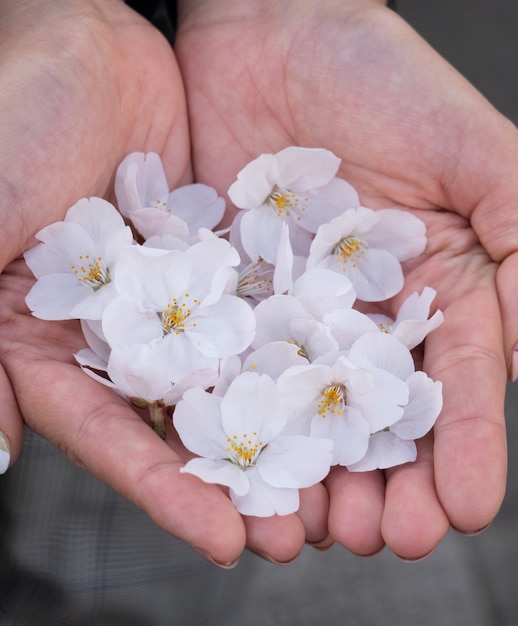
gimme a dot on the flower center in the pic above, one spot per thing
(244, 452)
(284, 202)
(162, 206)
(349, 249)
(256, 280)
(333, 400)
(176, 314)
(91, 272)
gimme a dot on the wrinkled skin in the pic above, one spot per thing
(347, 76)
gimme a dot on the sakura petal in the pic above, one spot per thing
(263, 500)
(386, 449)
(218, 471)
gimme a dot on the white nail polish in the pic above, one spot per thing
(5, 453)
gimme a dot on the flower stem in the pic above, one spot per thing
(157, 412)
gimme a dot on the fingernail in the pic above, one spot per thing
(472, 533)
(322, 546)
(417, 559)
(5, 453)
(514, 364)
(208, 557)
(267, 557)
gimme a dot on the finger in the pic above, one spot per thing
(102, 434)
(413, 520)
(466, 354)
(11, 424)
(356, 503)
(313, 513)
(507, 284)
(278, 539)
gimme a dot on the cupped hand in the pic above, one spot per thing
(352, 77)
(82, 84)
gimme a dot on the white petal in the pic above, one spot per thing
(223, 329)
(252, 408)
(423, 408)
(348, 325)
(254, 182)
(53, 297)
(305, 168)
(261, 233)
(349, 432)
(126, 322)
(400, 233)
(263, 500)
(322, 291)
(325, 203)
(198, 205)
(273, 317)
(274, 359)
(140, 182)
(385, 450)
(217, 471)
(295, 461)
(197, 419)
(380, 350)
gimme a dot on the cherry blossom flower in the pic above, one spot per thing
(177, 300)
(295, 185)
(75, 261)
(368, 246)
(338, 400)
(143, 196)
(240, 442)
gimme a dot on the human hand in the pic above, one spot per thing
(81, 85)
(352, 77)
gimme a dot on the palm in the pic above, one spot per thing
(104, 84)
(262, 82)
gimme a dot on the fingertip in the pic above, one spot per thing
(277, 539)
(356, 510)
(11, 425)
(314, 512)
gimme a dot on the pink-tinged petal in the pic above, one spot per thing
(197, 419)
(223, 329)
(140, 182)
(325, 203)
(349, 432)
(149, 222)
(305, 168)
(385, 450)
(252, 408)
(273, 317)
(400, 233)
(255, 182)
(295, 461)
(263, 500)
(220, 472)
(197, 205)
(322, 291)
(93, 333)
(423, 408)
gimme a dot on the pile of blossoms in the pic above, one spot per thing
(249, 337)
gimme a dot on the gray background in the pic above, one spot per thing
(467, 580)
